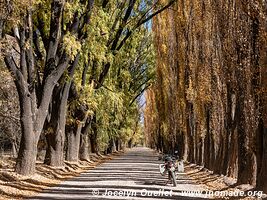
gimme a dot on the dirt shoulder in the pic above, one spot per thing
(14, 186)
(222, 185)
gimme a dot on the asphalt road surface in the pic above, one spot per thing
(134, 175)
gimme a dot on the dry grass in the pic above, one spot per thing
(15, 186)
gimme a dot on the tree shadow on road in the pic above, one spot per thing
(135, 171)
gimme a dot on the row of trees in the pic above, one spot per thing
(209, 101)
(79, 67)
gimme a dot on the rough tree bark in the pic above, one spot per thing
(262, 163)
(93, 136)
(56, 128)
(84, 142)
(73, 130)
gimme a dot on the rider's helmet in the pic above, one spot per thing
(168, 158)
(176, 154)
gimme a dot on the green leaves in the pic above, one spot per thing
(73, 8)
(131, 69)
(71, 45)
(113, 46)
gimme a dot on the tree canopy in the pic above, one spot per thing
(79, 68)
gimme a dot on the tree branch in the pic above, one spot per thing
(55, 28)
(139, 94)
(146, 81)
(122, 25)
(140, 22)
(49, 85)
(12, 66)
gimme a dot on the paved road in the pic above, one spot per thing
(134, 175)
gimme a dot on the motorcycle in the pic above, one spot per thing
(171, 166)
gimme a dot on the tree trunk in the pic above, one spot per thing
(26, 159)
(201, 152)
(219, 155)
(74, 136)
(225, 154)
(185, 146)
(73, 143)
(33, 111)
(262, 175)
(55, 150)
(247, 164)
(84, 147)
(207, 141)
(233, 155)
(111, 147)
(232, 165)
(56, 128)
(93, 136)
(31, 130)
(56, 136)
(206, 150)
(212, 155)
(118, 144)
